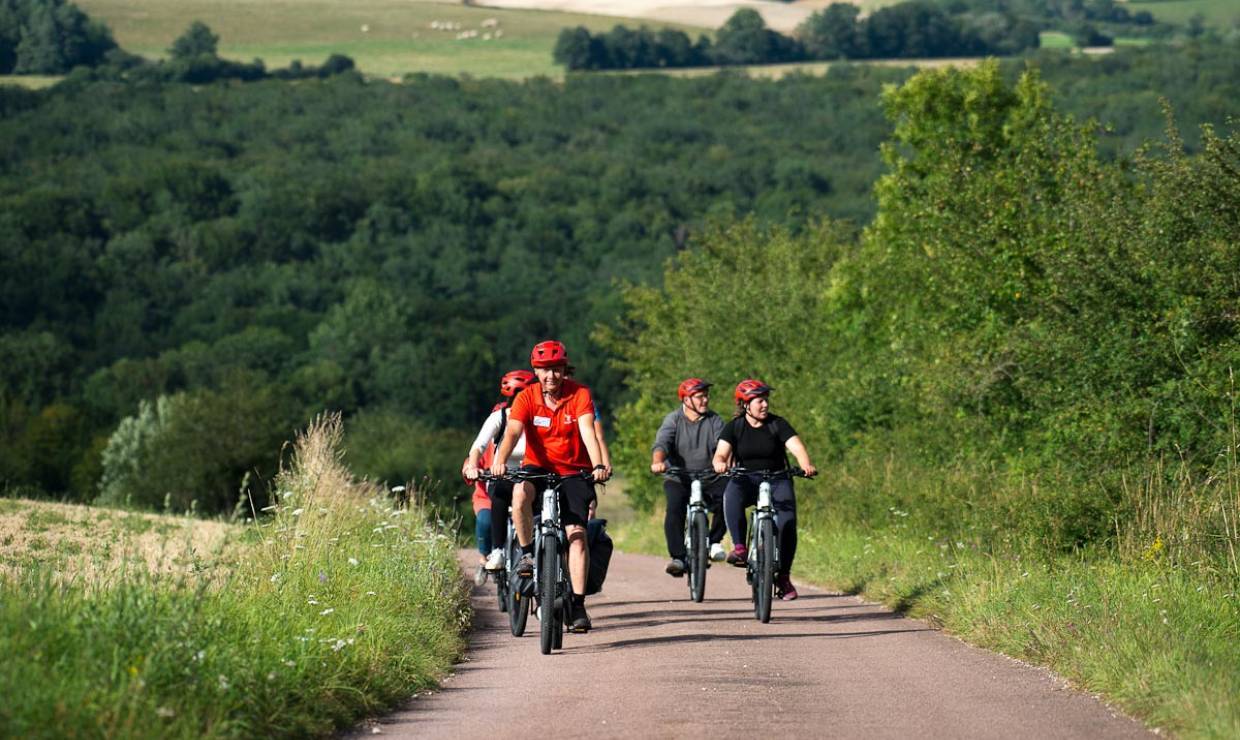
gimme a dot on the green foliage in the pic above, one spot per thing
(159, 239)
(386, 446)
(49, 37)
(1018, 305)
(169, 454)
(742, 303)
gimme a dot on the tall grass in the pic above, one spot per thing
(338, 605)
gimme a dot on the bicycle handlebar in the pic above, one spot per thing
(552, 478)
(768, 474)
(694, 474)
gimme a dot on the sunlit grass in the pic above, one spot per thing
(334, 606)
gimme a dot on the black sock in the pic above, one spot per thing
(579, 601)
(527, 549)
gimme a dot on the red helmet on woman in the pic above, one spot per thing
(513, 381)
(690, 386)
(748, 390)
(548, 354)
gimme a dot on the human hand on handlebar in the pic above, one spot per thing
(498, 468)
(658, 467)
(470, 472)
(720, 466)
(809, 470)
(601, 474)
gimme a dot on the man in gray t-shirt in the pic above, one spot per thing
(686, 440)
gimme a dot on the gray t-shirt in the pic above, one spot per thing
(689, 444)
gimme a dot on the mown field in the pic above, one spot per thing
(385, 38)
(334, 605)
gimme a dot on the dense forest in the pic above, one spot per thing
(190, 272)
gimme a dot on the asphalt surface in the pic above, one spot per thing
(658, 665)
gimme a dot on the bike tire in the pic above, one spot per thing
(518, 612)
(699, 552)
(501, 589)
(548, 581)
(764, 579)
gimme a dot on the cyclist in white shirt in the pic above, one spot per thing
(500, 491)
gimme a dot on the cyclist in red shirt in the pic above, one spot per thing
(556, 415)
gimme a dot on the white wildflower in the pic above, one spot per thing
(298, 512)
(338, 645)
(326, 611)
(353, 561)
(165, 712)
(223, 682)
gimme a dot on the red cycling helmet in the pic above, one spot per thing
(513, 381)
(748, 390)
(548, 354)
(690, 386)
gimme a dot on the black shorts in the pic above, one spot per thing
(575, 497)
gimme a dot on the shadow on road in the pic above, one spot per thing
(706, 637)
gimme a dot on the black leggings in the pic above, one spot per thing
(742, 493)
(500, 492)
(677, 490)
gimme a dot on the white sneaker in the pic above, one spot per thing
(480, 576)
(495, 561)
(716, 552)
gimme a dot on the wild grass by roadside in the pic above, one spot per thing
(337, 605)
(1161, 643)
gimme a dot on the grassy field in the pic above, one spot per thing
(335, 606)
(386, 38)
(34, 82)
(1218, 14)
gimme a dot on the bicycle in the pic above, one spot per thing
(763, 560)
(552, 586)
(511, 590)
(697, 533)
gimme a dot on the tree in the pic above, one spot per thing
(198, 40)
(833, 33)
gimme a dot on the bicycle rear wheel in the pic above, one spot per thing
(764, 579)
(548, 581)
(699, 551)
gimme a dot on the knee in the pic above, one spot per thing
(576, 535)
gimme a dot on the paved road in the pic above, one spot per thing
(658, 665)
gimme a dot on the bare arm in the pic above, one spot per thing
(723, 457)
(798, 451)
(585, 425)
(658, 461)
(602, 445)
(512, 432)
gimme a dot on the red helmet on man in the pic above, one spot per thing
(548, 354)
(513, 381)
(748, 390)
(690, 386)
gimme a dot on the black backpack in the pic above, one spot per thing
(600, 546)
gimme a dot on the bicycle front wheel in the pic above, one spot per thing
(764, 578)
(518, 610)
(699, 552)
(548, 581)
